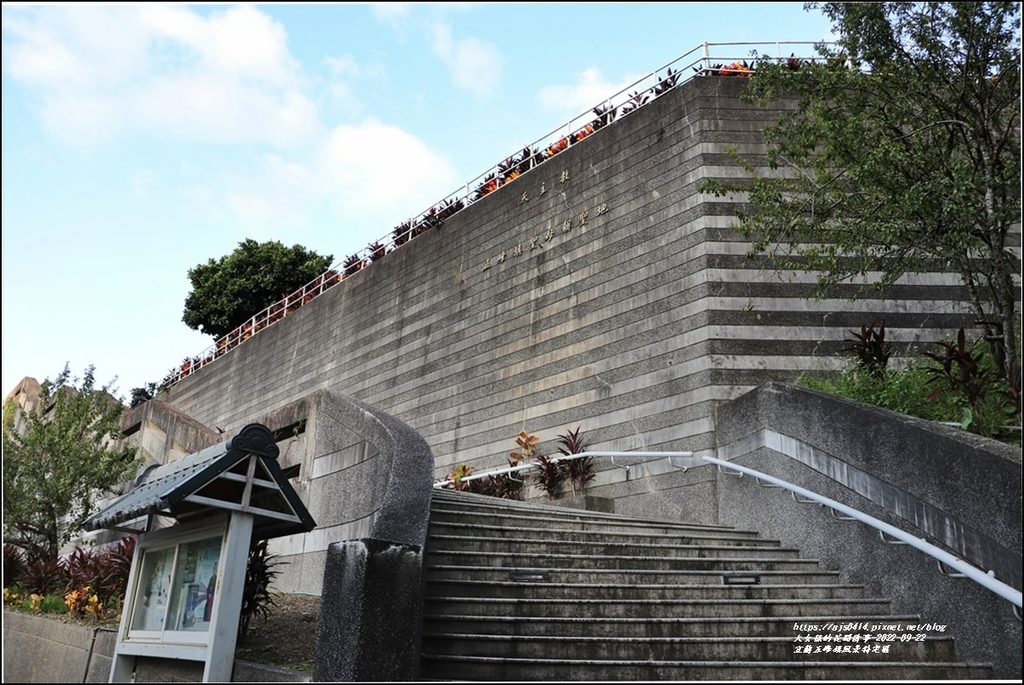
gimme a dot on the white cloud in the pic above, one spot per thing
(376, 169)
(475, 66)
(106, 71)
(345, 70)
(394, 14)
(143, 182)
(69, 47)
(275, 193)
(589, 90)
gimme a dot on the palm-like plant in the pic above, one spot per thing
(635, 102)
(580, 471)
(488, 185)
(605, 115)
(352, 264)
(402, 233)
(549, 476)
(666, 82)
(376, 250)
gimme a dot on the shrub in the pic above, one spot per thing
(260, 572)
(969, 391)
(968, 372)
(456, 477)
(870, 348)
(44, 575)
(550, 475)
(579, 472)
(503, 485)
(14, 565)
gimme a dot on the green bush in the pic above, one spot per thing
(927, 390)
(904, 390)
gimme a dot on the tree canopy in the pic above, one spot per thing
(57, 458)
(899, 153)
(228, 291)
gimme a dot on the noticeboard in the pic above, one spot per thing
(176, 590)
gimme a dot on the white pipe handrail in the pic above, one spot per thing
(987, 580)
(565, 457)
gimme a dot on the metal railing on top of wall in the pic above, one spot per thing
(704, 60)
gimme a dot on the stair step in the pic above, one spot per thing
(624, 608)
(758, 649)
(521, 591)
(812, 574)
(548, 590)
(631, 627)
(577, 522)
(480, 530)
(557, 545)
(485, 668)
(591, 561)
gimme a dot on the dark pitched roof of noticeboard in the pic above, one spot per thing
(239, 474)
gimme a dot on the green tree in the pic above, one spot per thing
(899, 153)
(57, 458)
(229, 291)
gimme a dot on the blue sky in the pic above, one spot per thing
(140, 140)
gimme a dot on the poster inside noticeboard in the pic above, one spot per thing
(151, 600)
(195, 585)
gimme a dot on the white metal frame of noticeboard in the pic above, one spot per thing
(184, 596)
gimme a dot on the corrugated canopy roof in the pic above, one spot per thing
(239, 474)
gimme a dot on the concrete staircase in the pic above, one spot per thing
(521, 591)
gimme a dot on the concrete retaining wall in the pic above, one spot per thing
(598, 289)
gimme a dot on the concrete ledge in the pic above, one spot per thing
(40, 649)
(963, 491)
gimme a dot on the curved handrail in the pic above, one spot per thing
(611, 109)
(566, 457)
(987, 580)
